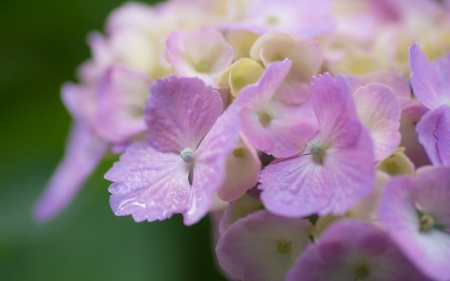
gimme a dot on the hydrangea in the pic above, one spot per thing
(285, 118)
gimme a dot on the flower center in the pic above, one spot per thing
(203, 66)
(278, 57)
(318, 152)
(272, 20)
(361, 270)
(426, 222)
(283, 247)
(239, 152)
(393, 168)
(187, 155)
(265, 117)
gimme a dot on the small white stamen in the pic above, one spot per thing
(187, 155)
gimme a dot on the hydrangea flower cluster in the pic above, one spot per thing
(292, 121)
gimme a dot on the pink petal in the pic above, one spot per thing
(83, 153)
(299, 186)
(429, 80)
(148, 184)
(242, 172)
(180, 112)
(305, 17)
(346, 244)
(79, 101)
(379, 111)
(428, 250)
(210, 164)
(414, 150)
(204, 45)
(121, 98)
(247, 250)
(239, 209)
(434, 131)
(290, 128)
(131, 15)
(295, 187)
(391, 78)
(306, 57)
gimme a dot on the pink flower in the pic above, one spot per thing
(414, 212)
(262, 246)
(379, 111)
(432, 87)
(182, 165)
(304, 17)
(336, 169)
(270, 125)
(120, 99)
(352, 250)
(201, 52)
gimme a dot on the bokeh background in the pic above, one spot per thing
(41, 44)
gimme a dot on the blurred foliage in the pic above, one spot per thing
(41, 44)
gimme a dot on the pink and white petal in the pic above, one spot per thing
(306, 57)
(295, 187)
(433, 130)
(426, 79)
(344, 245)
(306, 17)
(366, 208)
(239, 209)
(376, 102)
(148, 184)
(132, 15)
(385, 138)
(180, 112)
(210, 164)
(428, 250)
(247, 250)
(79, 101)
(208, 44)
(414, 150)
(242, 172)
(256, 96)
(202, 52)
(431, 187)
(391, 78)
(83, 153)
(121, 98)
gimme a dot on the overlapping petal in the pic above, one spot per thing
(148, 184)
(352, 250)
(120, 100)
(434, 134)
(379, 111)
(262, 246)
(429, 80)
(180, 112)
(210, 164)
(272, 126)
(340, 173)
(202, 52)
(429, 192)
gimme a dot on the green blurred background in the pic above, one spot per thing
(41, 44)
